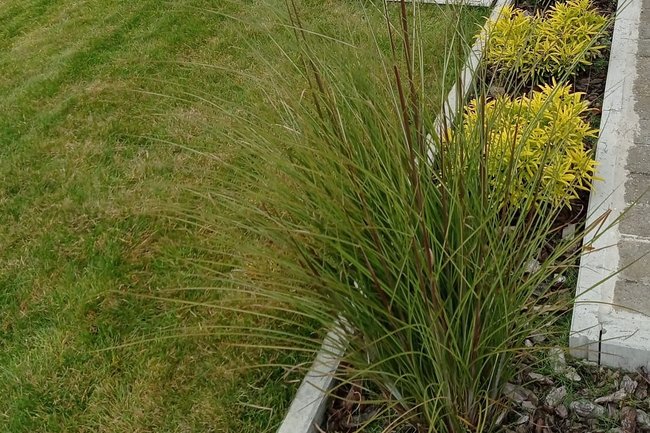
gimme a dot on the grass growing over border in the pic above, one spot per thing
(82, 185)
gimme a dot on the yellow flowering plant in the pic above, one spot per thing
(557, 43)
(569, 36)
(509, 39)
(536, 144)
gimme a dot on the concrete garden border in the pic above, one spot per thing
(308, 406)
(599, 332)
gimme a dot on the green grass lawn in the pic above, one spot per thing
(86, 172)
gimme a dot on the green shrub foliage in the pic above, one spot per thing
(536, 144)
(556, 43)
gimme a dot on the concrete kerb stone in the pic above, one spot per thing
(308, 406)
(623, 343)
(454, 98)
(601, 331)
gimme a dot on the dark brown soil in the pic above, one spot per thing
(350, 409)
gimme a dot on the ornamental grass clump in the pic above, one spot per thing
(542, 136)
(418, 265)
(556, 43)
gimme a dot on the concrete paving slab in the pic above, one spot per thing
(638, 159)
(636, 188)
(632, 296)
(642, 138)
(644, 48)
(634, 260)
(644, 32)
(643, 66)
(642, 103)
(635, 221)
(642, 87)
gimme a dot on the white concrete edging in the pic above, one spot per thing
(308, 406)
(600, 333)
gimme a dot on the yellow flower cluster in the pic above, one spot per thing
(543, 133)
(556, 43)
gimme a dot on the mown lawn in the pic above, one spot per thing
(86, 173)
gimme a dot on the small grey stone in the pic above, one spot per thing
(559, 279)
(522, 420)
(642, 419)
(569, 231)
(538, 338)
(528, 406)
(628, 419)
(501, 417)
(562, 411)
(533, 266)
(571, 374)
(528, 343)
(545, 380)
(628, 385)
(614, 397)
(558, 364)
(587, 409)
(555, 396)
(641, 391)
(557, 359)
(519, 394)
